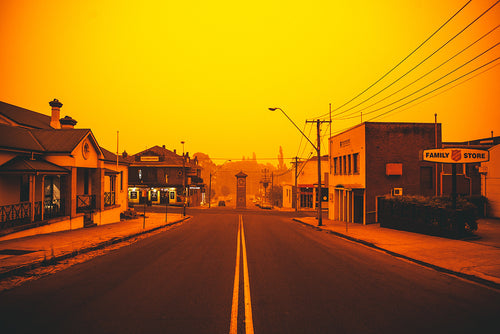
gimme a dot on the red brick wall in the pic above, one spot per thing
(397, 143)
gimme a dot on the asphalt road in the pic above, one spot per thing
(300, 281)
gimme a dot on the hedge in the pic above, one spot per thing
(433, 216)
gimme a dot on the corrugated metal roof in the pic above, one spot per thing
(61, 140)
(25, 117)
(110, 156)
(26, 165)
(17, 138)
(169, 158)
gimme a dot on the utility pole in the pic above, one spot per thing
(184, 179)
(295, 198)
(272, 192)
(318, 151)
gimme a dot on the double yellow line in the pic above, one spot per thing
(240, 245)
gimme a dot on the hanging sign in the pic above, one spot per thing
(455, 155)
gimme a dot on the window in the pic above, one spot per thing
(349, 169)
(344, 169)
(335, 161)
(355, 163)
(121, 180)
(340, 165)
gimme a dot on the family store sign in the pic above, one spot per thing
(455, 155)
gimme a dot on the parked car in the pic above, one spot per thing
(222, 203)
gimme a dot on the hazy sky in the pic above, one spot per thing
(205, 72)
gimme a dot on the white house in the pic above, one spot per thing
(53, 176)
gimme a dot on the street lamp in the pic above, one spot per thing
(318, 151)
(184, 178)
(210, 184)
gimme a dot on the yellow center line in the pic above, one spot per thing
(233, 329)
(248, 303)
(240, 244)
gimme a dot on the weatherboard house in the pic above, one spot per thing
(53, 176)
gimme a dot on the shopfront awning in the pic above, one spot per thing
(110, 172)
(349, 186)
(26, 165)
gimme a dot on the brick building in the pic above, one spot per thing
(376, 159)
(158, 175)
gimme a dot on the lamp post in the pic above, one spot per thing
(210, 184)
(318, 151)
(184, 179)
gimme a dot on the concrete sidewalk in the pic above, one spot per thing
(22, 254)
(477, 259)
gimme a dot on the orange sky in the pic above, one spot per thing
(206, 71)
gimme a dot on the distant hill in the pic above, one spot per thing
(224, 180)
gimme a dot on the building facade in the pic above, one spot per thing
(490, 174)
(54, 175)
(307, 184)
(376, 159)
(158, 176)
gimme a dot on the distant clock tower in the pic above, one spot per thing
(241, 190)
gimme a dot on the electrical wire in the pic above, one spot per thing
(444, 91)
(424, 60)
(402, 61)
(421, 77)
(456, 79)
(426, 86)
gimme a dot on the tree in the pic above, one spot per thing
(225, 190)
(281, 163)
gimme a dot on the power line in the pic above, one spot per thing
(431, 97)
(426, 86)
(403, 60)
(421, 77)
(447, 89)
(424, 60)
(460, 77)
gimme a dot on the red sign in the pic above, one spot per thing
(456, 155)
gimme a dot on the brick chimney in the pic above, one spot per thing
(67, 122)
(56, 113)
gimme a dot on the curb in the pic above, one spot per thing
(47, 262)
(468, 277)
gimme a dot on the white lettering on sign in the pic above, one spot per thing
(455, 155)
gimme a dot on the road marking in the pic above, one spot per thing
(248, 302)
(241, 248)
(233, 329)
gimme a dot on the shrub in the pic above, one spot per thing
(429, 215)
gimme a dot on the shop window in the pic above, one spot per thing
(355, 163)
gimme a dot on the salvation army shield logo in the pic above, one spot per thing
(456, 155)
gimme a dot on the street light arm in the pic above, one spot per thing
(273, 109)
